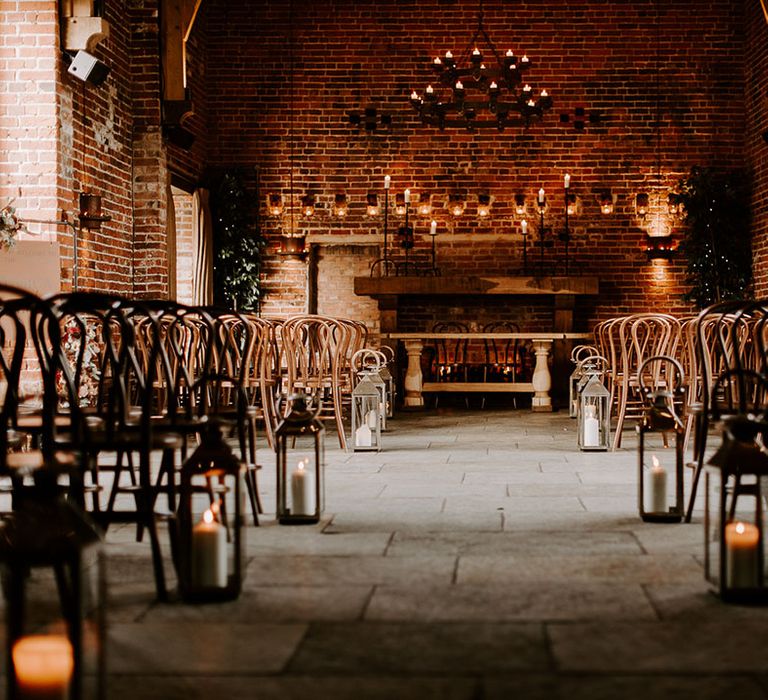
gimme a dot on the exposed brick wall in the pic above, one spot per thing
(28, 124)
(593, 54)
(756, 147)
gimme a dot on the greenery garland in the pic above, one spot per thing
(717, 241)
(238, 246)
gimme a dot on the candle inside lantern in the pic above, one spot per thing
(658, 486)
(567, 181)
(541, 196)
(387, 180)
(302, 491)
(43, 665)
(209, 552)
(591, 427)
(363, 436)
(741, 542)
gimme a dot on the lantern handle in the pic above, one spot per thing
(581, 352)
(388, 353)
(368, 358)
(678, 388)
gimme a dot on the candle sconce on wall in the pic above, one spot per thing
(372, 208)
(520, 204)
(660, 247)
(606, 202)
(572, 204)
(308, 205)
(424, 207)
(340, 208)
(641, 205)
(275, 204)
(456, 204)
(483, 206)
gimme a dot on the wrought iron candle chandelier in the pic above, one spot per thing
(480, 95)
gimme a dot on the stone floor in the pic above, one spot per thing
(480, 555)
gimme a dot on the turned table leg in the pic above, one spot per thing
(542, 380)
(413, 379)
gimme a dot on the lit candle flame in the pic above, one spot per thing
(740, 528)
(655, 461)
(208, 517)
(301, 465)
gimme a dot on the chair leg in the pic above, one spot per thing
(623, 395)
(145, 507)
(700, 442)
(253, 494)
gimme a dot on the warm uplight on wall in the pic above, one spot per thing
(641, 204)
(372, 206)
(275, 204)
(340, 205)
(425, 204)
(456, 204)
(483, 205)
(520, 204)
(606, 202)
(308, 205)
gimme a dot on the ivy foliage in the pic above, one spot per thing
(717, 242)
(238, 246)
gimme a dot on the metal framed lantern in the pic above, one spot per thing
(660, 463)
(580, 356)
(388, 356)
(55, 588)
(372, 364)
(300, 463)
(366, 420)
(594, 415)
(736, 486)
(210, 538)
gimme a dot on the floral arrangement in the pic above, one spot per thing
(86, 357)
(9, 227)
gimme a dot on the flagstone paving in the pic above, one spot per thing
(479, 555)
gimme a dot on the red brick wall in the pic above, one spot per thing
(756, 147)
(591, 54)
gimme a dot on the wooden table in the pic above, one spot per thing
(415, 387)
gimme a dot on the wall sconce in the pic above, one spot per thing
(400, 204)
(340, 205)
(275, 205)
(520, 204)
(425, 204)
(456, 204)
(372, 208)
(606, 202)
(571, 204)
(91, 216)
(660, 247)
(673, 203)
(641, 204)
(308, 205)
(483, 205)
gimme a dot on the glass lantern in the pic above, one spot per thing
(389, 391)
(210, 538)
(660, 466)
(736, 486)
(594, 416)
(54, 585)
(366, 421)
(300, 464)
(581, 361)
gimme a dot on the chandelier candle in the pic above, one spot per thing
(542, 201)
(302, 491)
(433, 235)
(524, 227)
(209, 553)
(387, 181)
(741, 542)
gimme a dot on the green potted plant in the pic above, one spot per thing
(238, 246)
(717, 242)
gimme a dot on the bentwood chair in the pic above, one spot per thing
(731, 341)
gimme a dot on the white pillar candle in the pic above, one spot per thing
(524, 226)
(658, 487)
(44, 665)
(407, 196)
(302, 491)
(387, 180)
(433, 228)
(741, 542)
(591, 427)
(363, 437)
(541, 196)
(370, 418)
(209, 553)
